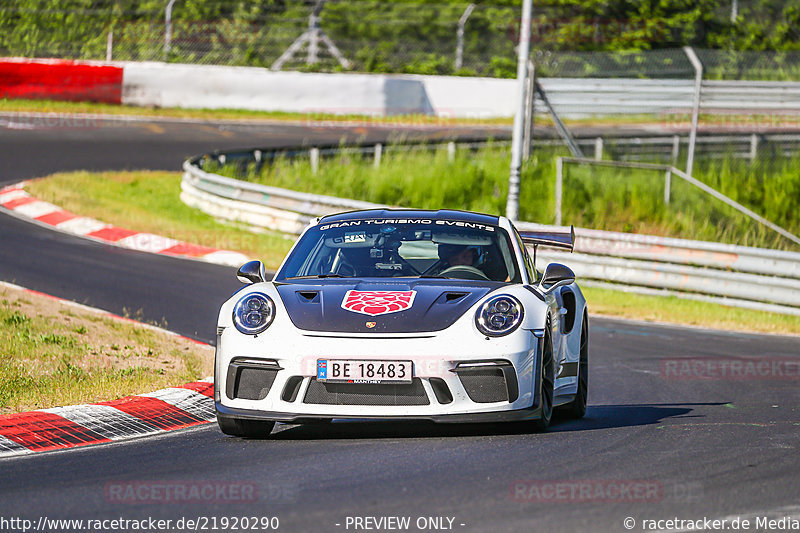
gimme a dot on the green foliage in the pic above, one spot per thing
(16, 319)
(411, 36)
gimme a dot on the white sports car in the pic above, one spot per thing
(404, 315)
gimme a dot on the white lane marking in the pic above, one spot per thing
(36, 209)
(81, 225)
(105, 420)
(11, 125)
(187, 400)
(147, 242)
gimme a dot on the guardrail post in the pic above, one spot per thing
(559, 184)
(698, 83)
(598, 148)
(378, 153)
(753, 147)
(313, 155)
(667, 186)
(451, 151)
(676, 149)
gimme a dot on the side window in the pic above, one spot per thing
(532, 272)
(527, 257)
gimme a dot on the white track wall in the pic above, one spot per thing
(193, 86)
(216, 87)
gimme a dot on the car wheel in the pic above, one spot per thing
(577, 407)
(251, 429)
(547, 383)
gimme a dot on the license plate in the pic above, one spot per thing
(357, 371)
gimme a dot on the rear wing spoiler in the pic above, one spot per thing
(549, 236)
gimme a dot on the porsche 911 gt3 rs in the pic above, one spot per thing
(404, 315)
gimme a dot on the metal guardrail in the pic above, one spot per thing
(580, 97)
(669, 171)
(755, 278)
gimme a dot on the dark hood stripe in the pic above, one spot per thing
(317, 306)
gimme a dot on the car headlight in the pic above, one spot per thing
(253, 313)
(499, 316)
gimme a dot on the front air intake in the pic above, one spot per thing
(250, 379)
(385, 394)
(489, 382)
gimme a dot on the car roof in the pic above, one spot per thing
(442, 214)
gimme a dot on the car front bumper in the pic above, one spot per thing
(514, 415)
(446, 388)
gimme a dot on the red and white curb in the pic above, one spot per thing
(133, 416)
(17, 200)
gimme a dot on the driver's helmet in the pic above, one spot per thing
(446, 251)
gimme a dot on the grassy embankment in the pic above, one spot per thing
(55, 354)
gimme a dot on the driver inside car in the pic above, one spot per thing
(456, 254)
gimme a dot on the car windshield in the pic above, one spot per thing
(391, 248)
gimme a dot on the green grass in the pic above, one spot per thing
(477, 182)
(594, 197)
(633, 201)
(150, 202)
(55, 355)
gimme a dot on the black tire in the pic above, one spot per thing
(577, 407)
(251, 429)
(547, 384)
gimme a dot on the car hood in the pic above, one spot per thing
(377, 306)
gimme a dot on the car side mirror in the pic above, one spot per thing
(556, 275)
(252, 272)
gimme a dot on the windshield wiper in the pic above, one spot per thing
(319, 276)
(433, 276)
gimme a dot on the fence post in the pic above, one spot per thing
(313, 155)
(378, 154)
(109, 45)
(530, 101)
(753, 147)
(559, 185)
(598, 148)
(667, 186)
(451, 151)
(460, 36)
(523, 53)
(698, 82)
(168, 29)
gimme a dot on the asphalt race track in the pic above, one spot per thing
(654, 444)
